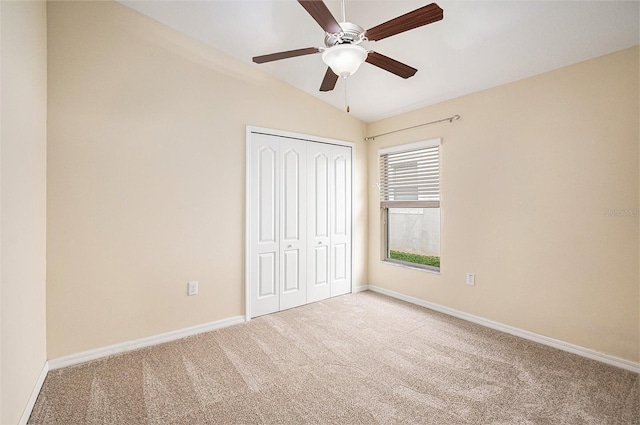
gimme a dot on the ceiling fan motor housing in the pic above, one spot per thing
(351, 34)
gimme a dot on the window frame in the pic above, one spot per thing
(384, 205)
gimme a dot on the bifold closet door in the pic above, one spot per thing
(329, 218)
(277, 224)
(340, 220)
(318, 216)
(293, 223)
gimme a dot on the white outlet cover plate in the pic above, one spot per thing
(471, 279)
(193, 288)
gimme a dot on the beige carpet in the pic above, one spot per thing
(355, 359)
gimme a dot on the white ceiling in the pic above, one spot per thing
(478, 44)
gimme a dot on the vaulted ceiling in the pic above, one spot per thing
(478, 44)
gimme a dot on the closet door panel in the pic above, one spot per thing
(293, 223)
(321, 262)
(264, 222)
(318, 213)
(267, 275)
(339, 262)
(340, 220)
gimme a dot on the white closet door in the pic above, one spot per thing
(265, 224)
(299, 222)
(340, 220)
(319, 161)
(293, 224)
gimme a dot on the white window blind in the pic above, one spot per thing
(410, 178)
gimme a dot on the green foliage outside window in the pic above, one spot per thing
(426, 260)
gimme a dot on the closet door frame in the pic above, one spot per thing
(250, 130)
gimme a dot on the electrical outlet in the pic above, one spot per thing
(471, 279)
(193, 288)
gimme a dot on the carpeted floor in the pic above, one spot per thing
(355, 359)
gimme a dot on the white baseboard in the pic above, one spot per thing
(551, 342)
(34, 395)
(360, 288)
(123, 347)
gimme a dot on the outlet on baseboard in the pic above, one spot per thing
(471, 279)
(193, 288)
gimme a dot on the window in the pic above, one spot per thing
(410, 204)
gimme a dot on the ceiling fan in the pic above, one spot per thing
(342, 52)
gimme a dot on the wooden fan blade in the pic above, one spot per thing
(329, 81)
(391, 65)
(319, 11)
(419, 17)
(284, 55)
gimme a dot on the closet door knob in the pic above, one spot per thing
(289, 246)
(320, 243)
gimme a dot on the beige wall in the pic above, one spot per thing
(146, 188)
(23, 211)
(528, 177)
(146, 174)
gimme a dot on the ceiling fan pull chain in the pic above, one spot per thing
(346, 102)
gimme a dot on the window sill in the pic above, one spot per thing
(406, 265)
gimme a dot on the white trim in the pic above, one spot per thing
(247, 223)
(408, 265)
(360, 288)
(410, 146)
(551, 342)
(353, 209)
(307, 137)
(124, 347)
(34, 395)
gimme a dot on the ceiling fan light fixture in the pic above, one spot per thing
(344, 59)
